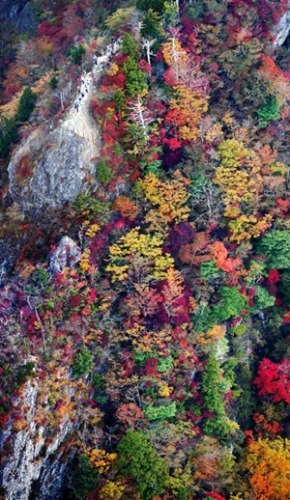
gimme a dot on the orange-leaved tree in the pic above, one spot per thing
(268, 463)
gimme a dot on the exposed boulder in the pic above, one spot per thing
(52, 167)
(282, 29)
(33, 460)
(49, 170)
(67, 254)
(18, 13)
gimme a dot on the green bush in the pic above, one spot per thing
(152, 26)
(136, 81)
(53, 82)
(263, 299)
(138, 459)
(162, 412)
(26, 105)
(104, 173)
(93, 207)
(209, 271)
(213, 389)
(76, 53)
(83, 364)
(8, 135)
(119, 19)
(24, 372)
(284, 286)
(84, 479)
(157, 5)
(165, 364)
(275, 245)
(268, 112)
(98, 381)
(231, 305)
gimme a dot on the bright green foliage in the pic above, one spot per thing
(76, 53)
(153, 167)
(141, 357)
(263, 299)
(165, 364)
(92, 207)
(119, 100)
(98, 381)
(138, 459)
(83, 364)
(129, 46)
(245, 401)
(284, 288)
(209, 271)
(26, 105)
(84, 479)
(160, 412)
(119, 18)
(213, 391)
(40, 277)
(275, 245)
(136, 79)
(231, 305)
(151, 25)
(255, 272)
(104, 173)
(239, 330)
(171, 13)
(268, 111)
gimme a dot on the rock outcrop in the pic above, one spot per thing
(67, 254)
(19, 13)
(33, 462)
(282, 29)
(58, 163)
(34, 457)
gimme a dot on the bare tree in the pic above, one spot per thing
(147, 45)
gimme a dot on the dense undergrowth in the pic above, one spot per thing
(168, 343)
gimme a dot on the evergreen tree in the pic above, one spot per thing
(269, 111)
(138, 458)
(275, 245)
(213, 389)
(26, 105)
(8, 135)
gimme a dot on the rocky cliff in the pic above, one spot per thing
(282, 29)
(34, 462)
(62, 156)
(17, 12)
(34, 459)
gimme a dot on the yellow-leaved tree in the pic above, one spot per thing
(268, 462)
(140, 256)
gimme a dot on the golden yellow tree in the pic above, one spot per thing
(268, 463)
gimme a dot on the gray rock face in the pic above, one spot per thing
(10, 9)
(67, 254)
(58, 163)
(32, 460)
(282, 29)
(19, 13)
